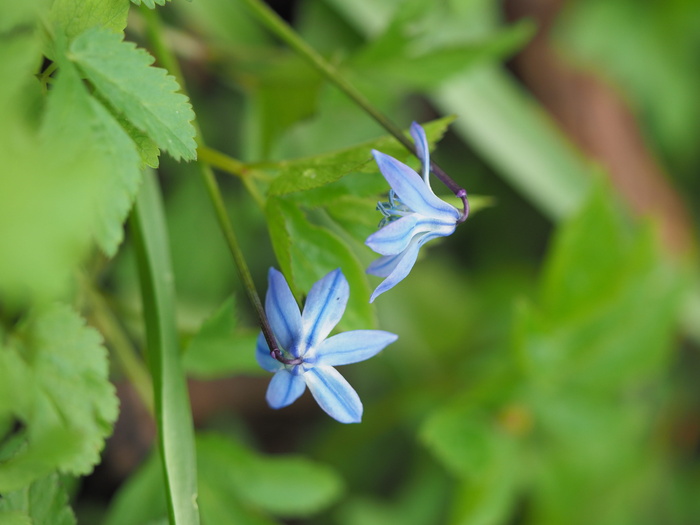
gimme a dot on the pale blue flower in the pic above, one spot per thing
(308, 355)
(413, 216)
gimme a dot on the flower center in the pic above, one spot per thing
(392, 210)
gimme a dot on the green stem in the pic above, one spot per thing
(167, 60)
(233, 166)
(278, 26)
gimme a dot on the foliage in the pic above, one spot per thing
(542, 373)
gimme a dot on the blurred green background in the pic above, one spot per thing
(547, 366)
(546, 369)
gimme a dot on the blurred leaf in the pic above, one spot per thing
(305, 174)
(426, 44)
(47, 187)
(69, 370)
(596, 328)
(146, 95)
(72, 17)
(288, 486)
(220, 348)
(313, 253)
(44, 502)
(419, 499)
(141, 498)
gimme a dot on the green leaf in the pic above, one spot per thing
(595, 329)
(48, 187)
(474, 448)
(220, 348)
(287, 486)
(305, 174)
(173, 412)
(71, 375)
(313, 253)
(75, 16)
(151, 4)
(44, 502)
(426, 44)
(55, 372)
(146, 95)
(73, 109)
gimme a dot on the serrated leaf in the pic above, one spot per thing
(288, 486)
(44, 502)
(220, 349)
(72, 17)
(313, 253)
(151, 4)
(145, 94)
(305, 174)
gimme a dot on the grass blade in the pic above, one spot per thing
(172, 405)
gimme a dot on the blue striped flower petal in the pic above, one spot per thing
(353, 347)
(412, 190)
(324, 307)
(282, 311)
(334, 394)
(422, 150)
(284, 389)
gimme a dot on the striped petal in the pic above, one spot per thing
(396, 267)
(284, 389)
(282, 311)
(263, 357)
(422, 150)
(324, 307)
(334, 394)
(412, 190)
(353, 347)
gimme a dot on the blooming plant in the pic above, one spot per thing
(413, 216)
(307, 355)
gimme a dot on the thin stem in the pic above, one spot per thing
(278, 26)
(168, 60)
(106, 322)
(233, 166)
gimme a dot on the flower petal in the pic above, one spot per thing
(282, 311)
(353, 347)
(334, 394)
(324, 307)
(284, 389)
(412, 190)
(396, 236)
(422, 150)
(263, 357)
(397, 267)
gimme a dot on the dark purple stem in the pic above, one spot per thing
(277, 354)
(454, 187)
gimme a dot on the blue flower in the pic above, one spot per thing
(308, 355)
(413, 216)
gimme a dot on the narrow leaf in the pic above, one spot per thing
(173, 412)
